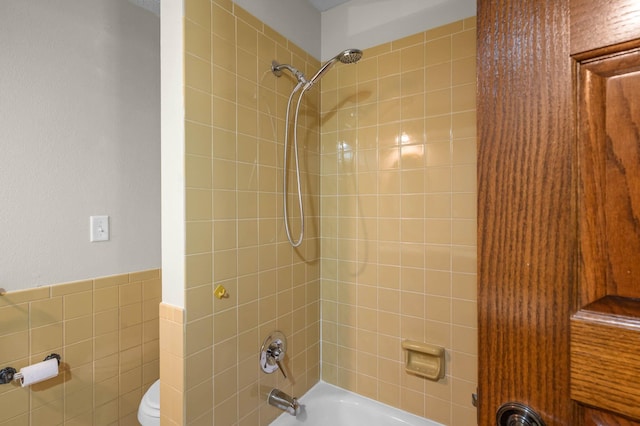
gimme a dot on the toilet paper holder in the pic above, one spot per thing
(8, 374)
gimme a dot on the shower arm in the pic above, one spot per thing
(277, 68)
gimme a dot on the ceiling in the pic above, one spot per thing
(323, 5)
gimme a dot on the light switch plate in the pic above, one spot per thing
(99, 228)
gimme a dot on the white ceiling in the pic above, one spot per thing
(323, 5)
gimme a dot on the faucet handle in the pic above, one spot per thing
(281, 369)
(272, 353)
(275, 353)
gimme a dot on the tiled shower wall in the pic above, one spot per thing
(106, 331)
(397, 213)
(398, 220)
(235, 110)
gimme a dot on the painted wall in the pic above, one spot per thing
(80, 123)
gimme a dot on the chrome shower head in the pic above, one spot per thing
(349, 56)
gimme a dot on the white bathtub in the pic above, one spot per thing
(325, 404)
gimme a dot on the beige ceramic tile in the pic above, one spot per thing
(110, 281)
(78, 304)
(445, 30)
(150, 274)
(197, 139)
(130, 337)
(223, 22)
(46, 338)
(75, 287)
(197, 40)
(23, 296)
(130, 293)
(15, 346)
(46, 311)
(51, 413)
(16, 318)
(106, 322)
(439, 76)
(199, 268)
(199, 235)
(464, 98)
(224, 53)
(464, 286)
(198, 106)
(105, 299)
(413, 58)
(198, 401)
(78, 329)
(197, 73)
(464, 125)
(199, 302)
(463, 44)
(463, 70)
(199, 11)
(130, 315)
(389, 64)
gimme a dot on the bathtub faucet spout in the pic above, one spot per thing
(281, 400)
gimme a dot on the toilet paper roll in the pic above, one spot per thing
(39, 372)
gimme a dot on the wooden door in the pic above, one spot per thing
(558, 207)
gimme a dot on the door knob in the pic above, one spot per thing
(517, 414)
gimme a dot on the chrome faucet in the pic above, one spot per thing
(272, 353)
(281, 400)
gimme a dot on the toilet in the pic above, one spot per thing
(149, 409)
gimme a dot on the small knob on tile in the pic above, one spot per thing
(220, 292)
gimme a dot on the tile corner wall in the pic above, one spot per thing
(234, 126)
(391, 172)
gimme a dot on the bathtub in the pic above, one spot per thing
(325, 404)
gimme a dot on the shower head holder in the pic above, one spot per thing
(277, 68)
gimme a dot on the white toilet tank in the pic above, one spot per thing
(149, 409)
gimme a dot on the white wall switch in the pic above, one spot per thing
(99, 228)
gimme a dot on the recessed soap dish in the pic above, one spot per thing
(424, 359)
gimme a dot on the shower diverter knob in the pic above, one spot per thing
(272, 353)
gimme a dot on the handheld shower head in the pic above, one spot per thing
(349, 56)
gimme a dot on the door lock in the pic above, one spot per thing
(517, 414)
